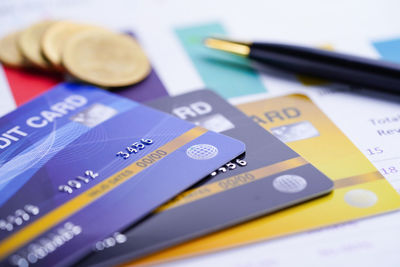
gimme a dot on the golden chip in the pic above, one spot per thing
(56, 36)
(9, 51)
(104, 58)
(29, 42)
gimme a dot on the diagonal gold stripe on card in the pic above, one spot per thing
(358, 179)
(254, 175)
(62, 212)
(232, 182)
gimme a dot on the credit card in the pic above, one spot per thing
(270, 177)
(79, 163)
(359, 189)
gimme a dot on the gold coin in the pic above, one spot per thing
(9, 51)
(29, 42)
(56, 36)
(104, 58)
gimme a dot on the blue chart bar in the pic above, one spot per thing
(228, 75)
(389, 49)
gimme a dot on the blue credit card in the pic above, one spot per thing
(79, 163)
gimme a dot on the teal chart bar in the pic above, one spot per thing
(228, 75)
(389, 49)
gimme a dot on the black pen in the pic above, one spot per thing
(349, 69)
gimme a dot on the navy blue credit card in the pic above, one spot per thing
(79, 163)
(270, 176)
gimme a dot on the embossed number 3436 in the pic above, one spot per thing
(134, 148)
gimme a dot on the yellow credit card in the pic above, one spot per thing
(360, 190)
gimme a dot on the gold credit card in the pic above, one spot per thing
(360, 190)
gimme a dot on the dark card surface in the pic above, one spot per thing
(269, 177)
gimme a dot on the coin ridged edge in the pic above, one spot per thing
(34, 55)
(18, 62)
(49, 51)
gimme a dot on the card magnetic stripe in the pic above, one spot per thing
(56, 216)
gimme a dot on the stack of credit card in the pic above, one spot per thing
(79, 164)
(269, 177)
(89, 178)
(359, 189)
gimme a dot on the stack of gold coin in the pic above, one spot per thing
(87, 52)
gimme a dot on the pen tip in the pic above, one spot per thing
(235, 47)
